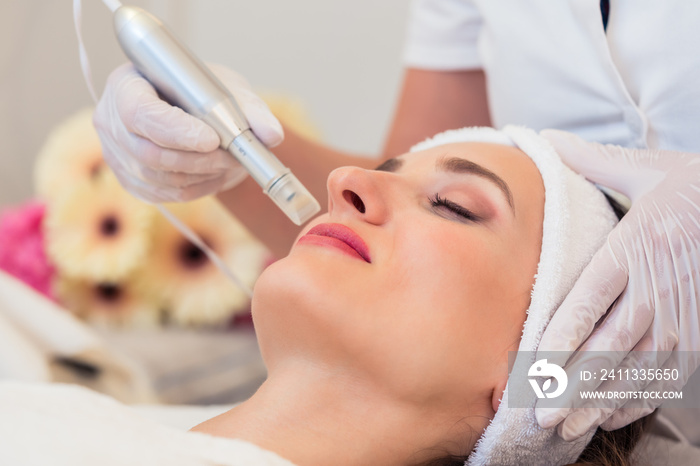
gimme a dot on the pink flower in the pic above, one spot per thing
(22, 252)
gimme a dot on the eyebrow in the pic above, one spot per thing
(458, 165)
(390, 165)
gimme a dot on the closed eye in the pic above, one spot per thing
(438, 202)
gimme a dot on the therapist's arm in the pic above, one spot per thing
(435, 101)
(429, 102)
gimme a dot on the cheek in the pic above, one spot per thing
(445, 270)
(449, 312)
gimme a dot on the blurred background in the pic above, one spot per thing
(86, 293)
(341, 59)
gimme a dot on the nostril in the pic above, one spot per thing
(355, 200)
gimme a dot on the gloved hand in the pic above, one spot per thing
(158, 152)
(647, 273)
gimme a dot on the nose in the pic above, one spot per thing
(358, 192)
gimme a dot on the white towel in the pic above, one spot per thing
(577, 219)
(68, 425)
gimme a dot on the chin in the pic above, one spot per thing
(286, 295)
(296, 309)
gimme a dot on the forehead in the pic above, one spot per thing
(510, 163)
(495, 157)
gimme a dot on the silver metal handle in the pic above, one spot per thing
(185, 81)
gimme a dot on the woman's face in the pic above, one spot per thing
(421, 281)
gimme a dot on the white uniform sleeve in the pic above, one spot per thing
(442, 35)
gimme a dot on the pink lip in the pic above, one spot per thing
(338, 236)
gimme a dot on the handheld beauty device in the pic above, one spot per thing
(184, 80)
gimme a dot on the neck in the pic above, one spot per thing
(313, 416)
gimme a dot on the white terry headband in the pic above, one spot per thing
(577, 219)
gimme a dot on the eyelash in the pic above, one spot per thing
(455, 208)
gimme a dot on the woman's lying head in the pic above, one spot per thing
(419, 278)
(452, 239)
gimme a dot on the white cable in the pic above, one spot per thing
(84, 63)
(184, 229)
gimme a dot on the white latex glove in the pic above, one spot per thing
(648, 271)
(158, 152)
